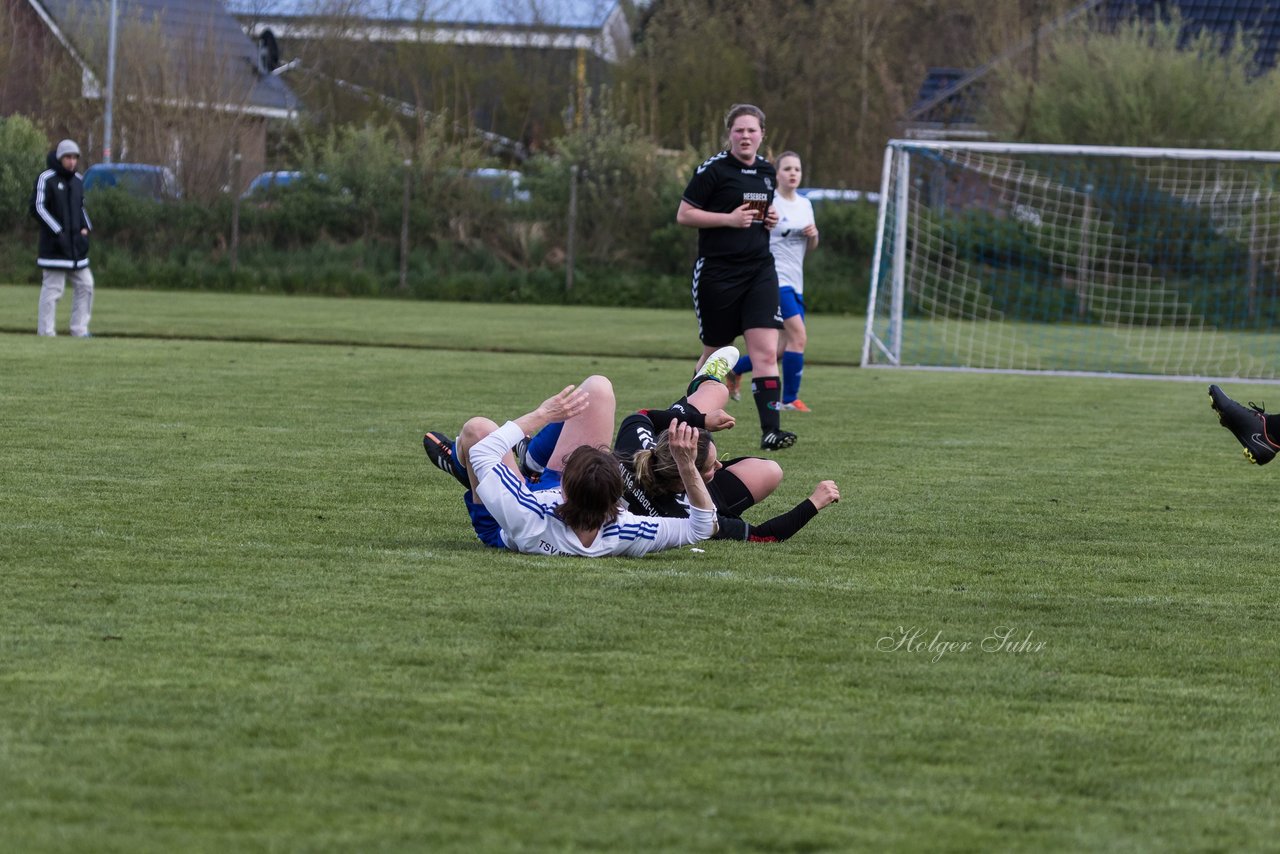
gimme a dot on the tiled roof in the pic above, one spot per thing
(210, 38)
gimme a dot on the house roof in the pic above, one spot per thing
(1258, 18)
(948, 97)
(560, 14)
(599, 26)
(207, 38)
(946, 106)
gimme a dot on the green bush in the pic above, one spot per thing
(628, 194)
(838, 274)
(22, 157)
(337, 230)
(1144, 84)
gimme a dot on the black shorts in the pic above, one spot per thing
(731, 297)
(729, 493)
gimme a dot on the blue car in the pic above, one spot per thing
(821, 194)
(268, 181)
(137, 179)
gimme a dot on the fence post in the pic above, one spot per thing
(404, 228)
(235, 212)
(571, 238)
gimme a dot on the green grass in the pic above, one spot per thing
(1098, 347)
(837, 339)
(242, 613)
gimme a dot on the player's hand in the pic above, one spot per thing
(771, 217)
(684, 444)
(719, 420)
(825, 493)
(563, 406)
(743, 217)
(810, 231)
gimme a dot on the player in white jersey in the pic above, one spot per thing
(581, 517)
(795, 235)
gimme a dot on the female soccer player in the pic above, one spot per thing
(729, 200)
(795, 235)
(581, 516)
(652, 483)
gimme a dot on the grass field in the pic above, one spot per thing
(242, 613)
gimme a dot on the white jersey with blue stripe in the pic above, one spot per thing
(788, 242)
(530, 525)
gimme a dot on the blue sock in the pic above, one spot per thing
(543, 445)
(743, 366)
(792, 371)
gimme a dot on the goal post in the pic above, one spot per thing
(1077, 259)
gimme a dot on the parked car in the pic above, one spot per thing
(502, 184)
(268, 181)
(143, 180)
(821, 194)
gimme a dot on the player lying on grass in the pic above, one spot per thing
(580, 516)
(652, 485)
(1252, 427)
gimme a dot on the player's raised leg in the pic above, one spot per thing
(593, 427)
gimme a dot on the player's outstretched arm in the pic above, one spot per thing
(779, 529)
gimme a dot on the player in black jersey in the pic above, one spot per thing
(735, 485)
(735, 287)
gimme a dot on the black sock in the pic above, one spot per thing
(681, 410)
(767, 392)
(780, 528)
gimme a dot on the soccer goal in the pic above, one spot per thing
(1077, 259)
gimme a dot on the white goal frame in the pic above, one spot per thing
(894, 262)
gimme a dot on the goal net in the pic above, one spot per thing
(995, 256)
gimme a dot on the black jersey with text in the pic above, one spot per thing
(722, 184)
(639, 432)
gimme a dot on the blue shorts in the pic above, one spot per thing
(487, 527)
(790, 302)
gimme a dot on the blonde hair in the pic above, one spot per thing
(656, 469)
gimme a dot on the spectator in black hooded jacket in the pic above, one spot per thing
(58, 204)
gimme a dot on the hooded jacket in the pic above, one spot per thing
(59, 206)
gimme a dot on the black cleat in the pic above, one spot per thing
(439, 448)
(521, 452)
(776, 440)
(1249, 426)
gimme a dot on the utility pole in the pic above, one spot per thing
(109, 119)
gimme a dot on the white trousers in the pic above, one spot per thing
(55, 282)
